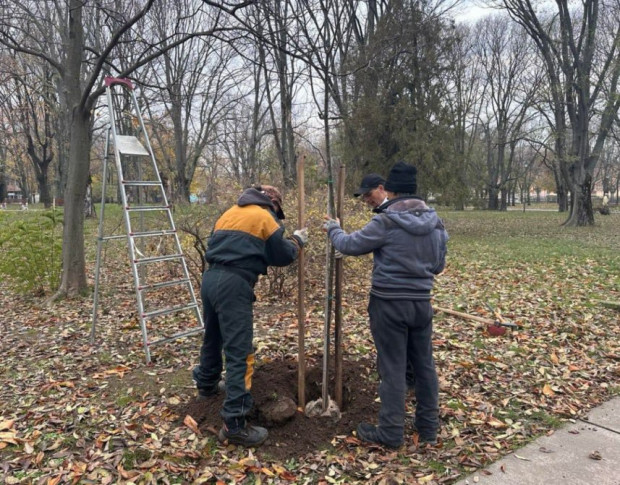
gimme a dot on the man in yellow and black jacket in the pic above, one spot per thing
(246, 239)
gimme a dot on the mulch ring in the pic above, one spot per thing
(300, 434)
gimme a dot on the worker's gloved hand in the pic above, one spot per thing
(301, 235)
(330, 223)
(338, 254)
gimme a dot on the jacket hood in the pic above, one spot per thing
(413, 215)
(252, 196)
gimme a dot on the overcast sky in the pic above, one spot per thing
(471, 11)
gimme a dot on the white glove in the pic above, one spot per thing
(338, 254)
(301, 235)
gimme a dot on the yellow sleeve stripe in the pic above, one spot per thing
(252, 219)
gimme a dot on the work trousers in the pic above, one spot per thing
(227, 300)
(402, 331)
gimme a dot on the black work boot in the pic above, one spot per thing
(204, 394)
(368, 433)
(248, 436)
(425, 439)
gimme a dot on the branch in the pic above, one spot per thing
(17, 47)
(106, 52)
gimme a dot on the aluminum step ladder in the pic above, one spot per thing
(160, 272)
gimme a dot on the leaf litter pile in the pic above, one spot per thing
(72, 412)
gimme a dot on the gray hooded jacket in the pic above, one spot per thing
(409, 244)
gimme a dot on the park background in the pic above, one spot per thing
(511, 119)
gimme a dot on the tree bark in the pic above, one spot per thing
(582, 213)
(73, 280)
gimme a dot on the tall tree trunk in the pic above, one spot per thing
(73, 262)
(45, 196)
(493, 203)
(3, 190)
(582, 213)
(73, 280)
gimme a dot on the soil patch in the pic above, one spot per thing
(300, 435)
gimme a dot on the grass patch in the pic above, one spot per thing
(546, 419)
(133, 457)
(437, 466)
(455, 404)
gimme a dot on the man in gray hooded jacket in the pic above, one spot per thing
(408, 242)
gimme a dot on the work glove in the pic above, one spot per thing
(338, 254)
(301, 235)
(330, 224)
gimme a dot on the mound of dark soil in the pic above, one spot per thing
(300, 434)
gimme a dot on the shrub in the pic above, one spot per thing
(30, 249)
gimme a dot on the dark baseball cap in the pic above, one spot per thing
(369, 182)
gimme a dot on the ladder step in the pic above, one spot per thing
(164, 284)
(141, 182)
(156, 259)
(163, 232)
(167, 311)
(106, 238)
(147, 208)
(177, 335)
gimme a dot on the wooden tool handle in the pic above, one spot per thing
(466, 316)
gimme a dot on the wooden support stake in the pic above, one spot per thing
(338, 297)
(301, 290)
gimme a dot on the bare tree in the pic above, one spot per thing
(510, 79)
(193, 89)
(333, 41)
(275, 29)
(465, 91)
(579, 46)
(55, 31)
(35, 109)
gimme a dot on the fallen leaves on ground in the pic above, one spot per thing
(76, 411)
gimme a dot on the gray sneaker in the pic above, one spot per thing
(248, 436)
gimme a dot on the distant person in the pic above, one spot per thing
(604, 210)
(409, 244)
(246, 239)
(372, 190)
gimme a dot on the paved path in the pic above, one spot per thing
(583, 453)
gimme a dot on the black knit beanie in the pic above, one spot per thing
(402, 179)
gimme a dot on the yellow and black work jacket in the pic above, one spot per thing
(248, 238)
